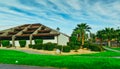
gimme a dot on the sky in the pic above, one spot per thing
(65, 14)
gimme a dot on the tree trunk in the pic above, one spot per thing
(83, 40)
(109, 43)
(78, 37)
(101, 45)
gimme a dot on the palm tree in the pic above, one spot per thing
(109, 35)
(101, 35)
(81, 30)
(116, 36)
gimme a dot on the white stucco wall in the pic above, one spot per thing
(62, 39)
(27, 42)
(51, 40)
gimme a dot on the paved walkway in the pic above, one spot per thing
(12, 66)
(29, 51)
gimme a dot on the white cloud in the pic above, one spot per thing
(102, 13)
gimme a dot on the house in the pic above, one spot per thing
(29, 32)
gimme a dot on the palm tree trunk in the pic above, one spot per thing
(109, 43)
(83, 40)
(78, 37)
(101, 44)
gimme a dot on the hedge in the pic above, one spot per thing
(5, 43)
(59, 47)
(39, 46)
(22, 43)
(30, 46)
(66, 48)
(38, 41)
(49, 46)
(93, 47)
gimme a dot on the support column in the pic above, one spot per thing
(13, 41)
(30, 39)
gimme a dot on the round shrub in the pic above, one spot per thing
(30, 45)
(49, 46)
(71, 44)
(38, 41)
(59, 47)
(86, 45)
(95, 47)
(5, 43)
(76, 48)
(34, 46)
(39, 46)
(22, 43)
(66, 48)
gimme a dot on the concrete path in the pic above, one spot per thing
(109, 49)
(12, 66)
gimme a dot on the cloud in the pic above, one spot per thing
(65, 14)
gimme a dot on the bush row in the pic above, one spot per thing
(50, 47)
(93, 47)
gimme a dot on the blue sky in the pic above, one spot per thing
(65, 14)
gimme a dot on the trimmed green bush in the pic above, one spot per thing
(30, 45)
(22, 43)
(38, 41)
(5, 43)
(71, 44)
(49, 46)
(59, 47)
(66, 48)
(86, 45)
(39, 46)
(95, 47)
(34, 46)
(76, 48)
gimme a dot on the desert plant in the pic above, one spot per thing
(22, 43)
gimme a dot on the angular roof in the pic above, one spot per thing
(29, 29)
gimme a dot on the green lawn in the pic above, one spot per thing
(116, 48)
(103, 54)
(70, 62)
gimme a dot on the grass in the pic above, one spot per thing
(102, 54)
(116, 48)
(70, 62)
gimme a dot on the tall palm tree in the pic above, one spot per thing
(81, 29)
(116, 36)
(109, 35)
(101, 35)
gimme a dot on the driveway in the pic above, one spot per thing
(12, 66)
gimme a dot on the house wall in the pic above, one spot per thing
(51, 40)
(62, 39)
(27, 42)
